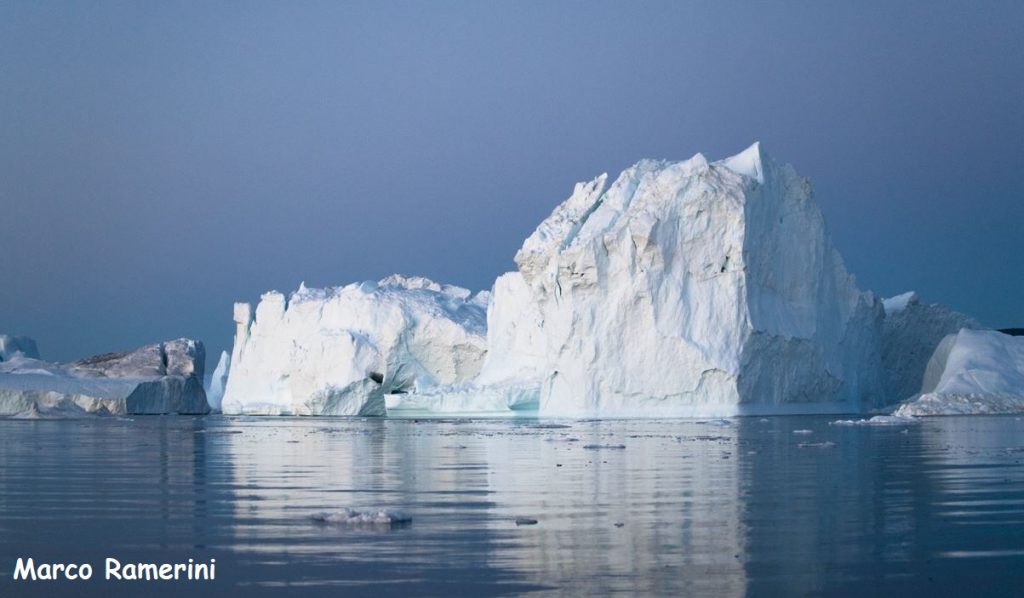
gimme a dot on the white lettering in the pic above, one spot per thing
(22, 569)
(113, 568)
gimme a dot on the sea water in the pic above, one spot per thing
(446, 507)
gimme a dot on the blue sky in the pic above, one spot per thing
(159, 161)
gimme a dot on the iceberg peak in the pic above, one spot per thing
(749, 162)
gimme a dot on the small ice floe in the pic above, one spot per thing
(718, 423)
(826, 444)
(526, 521)
(353, 517)
(597, 447)
(878, 420)
(803, 431)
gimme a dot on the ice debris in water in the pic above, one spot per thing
(721, 423)
(353, 517)
(826, 444)
(803, 431)
(878, 420)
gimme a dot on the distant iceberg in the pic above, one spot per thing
(161, 378)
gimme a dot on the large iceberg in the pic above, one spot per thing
(686, 288)
(680, 288)
(910, 334)
(160, 378)
(972, 372)
(340, 351)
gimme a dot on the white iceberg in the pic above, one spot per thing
(686, 288)
(911, 332)
(689, 288)
(339, 351)
(162, 378)
(972, 372)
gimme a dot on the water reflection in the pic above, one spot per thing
(744, 506)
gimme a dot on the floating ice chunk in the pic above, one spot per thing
(878, 420)
(826, 444)
(353, 517)
(803, 431)
(718, 423)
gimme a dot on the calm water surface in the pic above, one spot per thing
(721, 507)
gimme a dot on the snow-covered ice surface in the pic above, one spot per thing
(972, 372)
(339, 351)
(161, 378)
(685, 288)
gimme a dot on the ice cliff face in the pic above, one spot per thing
(161, 378)
(686, 288)
(910, 335)
(972, 372)
(339, 351)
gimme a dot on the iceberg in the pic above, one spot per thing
(339, 351)
(911, 332)
(215, 393)
(160, 378)
(972, 372)
(686, 288)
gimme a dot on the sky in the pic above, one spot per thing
(162, 160)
